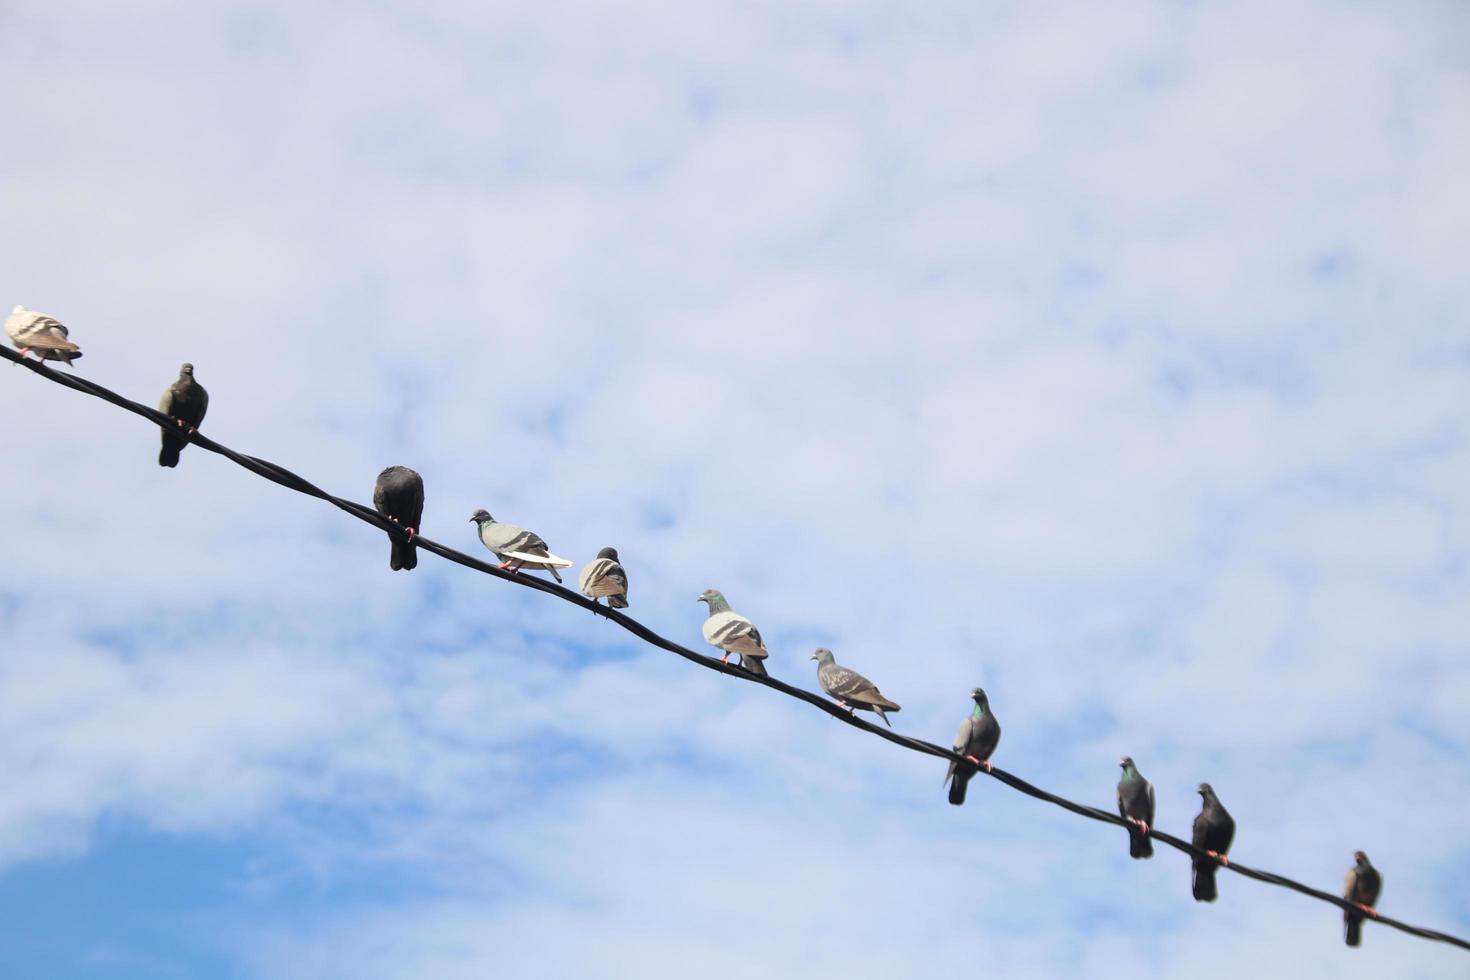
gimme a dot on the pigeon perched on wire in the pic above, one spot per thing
(1214, 831)
(733, 633)
(32, 331)
(1136, 805)
(399, 496)
(1362, 886)
(516, 547)
(603, 577)
(977, 738)
(185, 401)
(849, 688)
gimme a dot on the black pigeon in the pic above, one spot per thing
(185, 401)
(1214, 830)
(1362, 886)
(399, 496)
(1136, 805)
(977, 738)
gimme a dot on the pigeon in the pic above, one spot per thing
(849, 688)
(1362, 886)
(516, 547)
(32, 331)
(733, 633)
(185, 401)
(603, 576)
(399, 496)
(1214, 830)
(977, 738)
(1136, 805)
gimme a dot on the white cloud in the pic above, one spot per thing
(1112, 359)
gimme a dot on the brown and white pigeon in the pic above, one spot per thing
(516, 547)
(32, 331)
(1214, 832)
(185, 401)
(603, 577)
(1361, 887)
(977, 738)
(733, 633)
(399, 496)
(1136, 805)
(849, 688)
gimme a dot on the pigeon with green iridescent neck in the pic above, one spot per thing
(733, 633)
(849, 688)
(977, 738)
(1136, 805)
(46, 336)
(603, 577)
(1214, 831)
(398, 495)
(185, 402)
(1362, 886)
(516, 547)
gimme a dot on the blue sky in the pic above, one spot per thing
(1113, 358)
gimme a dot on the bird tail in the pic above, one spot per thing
(1353, 921)
(1139, 843)
(755, 665)
(554, 573)
(395, 558)
(959, 783)
(169, 454)
(618, 602)
(879, 708)
(1204, 883)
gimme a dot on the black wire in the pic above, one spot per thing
(284, 477)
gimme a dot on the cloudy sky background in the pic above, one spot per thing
(1112, 357)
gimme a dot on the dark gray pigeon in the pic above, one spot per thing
(849, 688)
(604, 577)
(1136, 805)
(1214, 831)
(516, 547)
(399, 496)
(733, 633)
(31, 331)
(1362, 886)
(185, 401)
(977, 738)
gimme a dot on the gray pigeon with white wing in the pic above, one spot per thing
(733, 633)
(516, 547)
(32, 331)
(849, 688)
(604, 578)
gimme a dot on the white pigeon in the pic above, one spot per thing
(604, 576)
(32, 331)
(516, 547)
(733, 633)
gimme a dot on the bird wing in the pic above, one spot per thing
(963, 736)
(844, 683)
(1150, 817)
(166, 403)
(726, 628)
(38, 330)
(603, 577)
(1350, 885)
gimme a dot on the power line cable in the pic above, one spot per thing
(284, 477)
